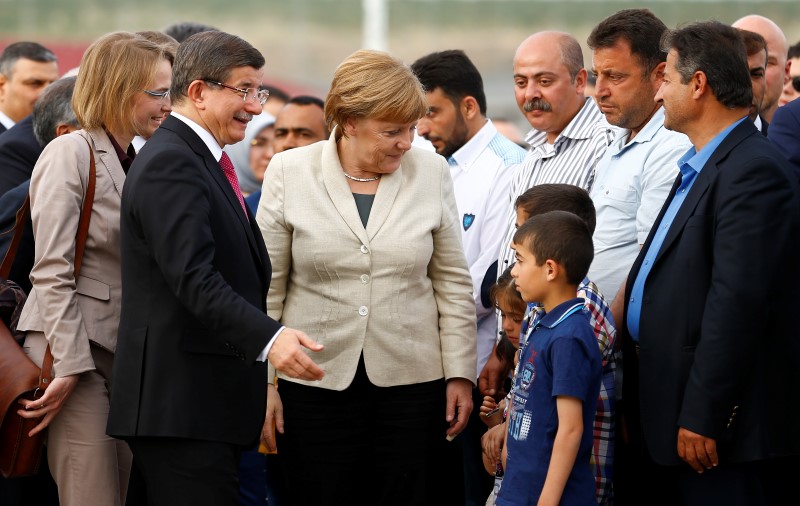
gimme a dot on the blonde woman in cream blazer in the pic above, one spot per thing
(79, 318)
(390, 299)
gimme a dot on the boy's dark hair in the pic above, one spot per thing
(544, 198)
(560, 236)
(452, 72)
(640, 28)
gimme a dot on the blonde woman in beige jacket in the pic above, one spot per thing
(121, 91)
(364, 239)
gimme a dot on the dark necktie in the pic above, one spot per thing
(230, 174)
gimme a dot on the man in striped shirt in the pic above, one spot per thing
(569, 134)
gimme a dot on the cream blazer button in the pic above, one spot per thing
(364, 249)
(365, 278)
(363, 311)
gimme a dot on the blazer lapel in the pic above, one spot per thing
(384, 199)
(106, 156)
(339, 190)
(214, 169)
(703, 181)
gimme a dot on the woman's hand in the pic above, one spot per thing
(49, 404)
(459, 397)
(273, 420)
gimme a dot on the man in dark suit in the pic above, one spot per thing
(785, 133)
(712, 357)
(190, 375)
(18, 154)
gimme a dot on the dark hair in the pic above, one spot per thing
(276, 93)
(506, 289)
(753, 42)
(559, 236)
(640, 28)
(794, 51)
(183, 30)
(210, 55)
(452, 72)
(168, 43)
(718, 51)
(53, 108)
(306, 100)
(28, 50)
(544, 198)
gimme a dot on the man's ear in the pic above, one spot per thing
(657, 75)
(469, 107)
(64, 128)
(580, 81)
(196, 93)
(699, 84)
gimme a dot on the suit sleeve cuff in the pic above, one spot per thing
(262, 357)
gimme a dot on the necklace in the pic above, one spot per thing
(361, 179)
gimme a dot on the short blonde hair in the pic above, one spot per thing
(374, 85)
(113, 69)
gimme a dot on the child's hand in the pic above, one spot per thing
(492, 445)
(491, 413)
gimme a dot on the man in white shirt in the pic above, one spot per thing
(481, 162)
(636, 173)
(26, 68)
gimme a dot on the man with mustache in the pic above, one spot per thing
(190, 373)
(568, 136)
(481, 162)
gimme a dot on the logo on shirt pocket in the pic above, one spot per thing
(467, 221)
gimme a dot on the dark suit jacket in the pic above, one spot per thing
(10, 202)
(785, 133)
(718, 338)
(19, 151)
(195, 273)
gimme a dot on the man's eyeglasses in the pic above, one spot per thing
(252, 94)
(796, 83)
(162, 96)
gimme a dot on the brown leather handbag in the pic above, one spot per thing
(20, 378)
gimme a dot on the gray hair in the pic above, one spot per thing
(54, 108)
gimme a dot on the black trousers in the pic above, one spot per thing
(368, 445)
(169, 472)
